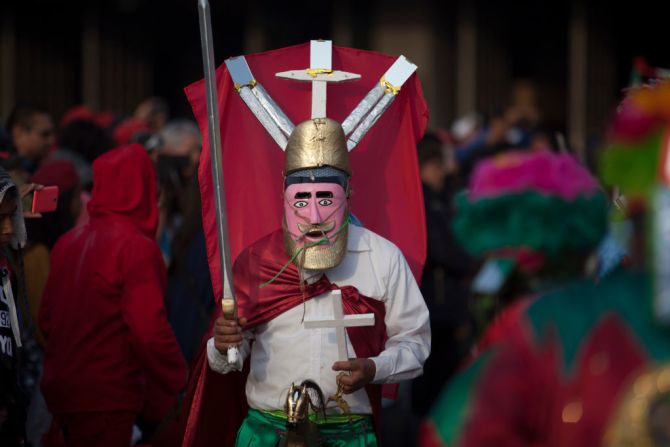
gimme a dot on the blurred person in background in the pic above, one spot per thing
(15, 328)
(182, 143)
(84, 135)
(43, 234)
(177, 160)
(446, 275)
(32, 134)
(80, 142)
(190, 297)
(516, 126)
(130, 130)
(476, 138)
(109, 347)
(537, 219)
(5, 144)
(589, 363)
(153, 111)
(14, 166)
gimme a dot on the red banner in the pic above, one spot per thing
(387, 195)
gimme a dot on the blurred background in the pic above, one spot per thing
(473, 56)
(80, 77)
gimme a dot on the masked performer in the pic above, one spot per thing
(296, 267)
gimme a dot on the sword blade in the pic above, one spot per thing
(209, 67)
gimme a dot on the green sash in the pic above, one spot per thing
(265, 429)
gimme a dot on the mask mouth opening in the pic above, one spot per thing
(316, 231)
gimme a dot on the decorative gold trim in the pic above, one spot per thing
(250, 84)
(388, 87)
(313, 72)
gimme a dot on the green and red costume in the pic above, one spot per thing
(520, 211)
(587, 364)
(560, 378)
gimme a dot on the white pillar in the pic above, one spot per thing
(577, 78)
(254, 34)
(91, 50)
(343, 34)
(410, 32)
(466, 58)
(7, 64)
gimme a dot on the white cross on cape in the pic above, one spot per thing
(340, 322)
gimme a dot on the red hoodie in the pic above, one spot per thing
(102, 312)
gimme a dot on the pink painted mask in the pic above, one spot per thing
(314, 211)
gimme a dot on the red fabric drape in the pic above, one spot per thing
(387, 193)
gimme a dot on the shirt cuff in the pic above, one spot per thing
(383, 369)
(219, 362)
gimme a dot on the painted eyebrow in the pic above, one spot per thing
(303, 195)
(324, 194)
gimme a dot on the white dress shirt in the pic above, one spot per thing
(284, 352)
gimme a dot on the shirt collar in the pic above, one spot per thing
(357, 240)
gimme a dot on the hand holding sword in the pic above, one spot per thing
(228, 334)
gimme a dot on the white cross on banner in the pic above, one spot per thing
(340, 322)
(320, 73)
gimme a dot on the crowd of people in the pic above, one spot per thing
(112, 290)
(148, 258)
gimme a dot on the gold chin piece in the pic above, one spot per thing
(318, 257)
(316, 143)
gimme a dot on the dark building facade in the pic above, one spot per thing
(574, 57)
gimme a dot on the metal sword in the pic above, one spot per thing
(228, 302)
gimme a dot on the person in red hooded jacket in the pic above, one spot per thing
(107, 336)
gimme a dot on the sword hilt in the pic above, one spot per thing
(230, 313)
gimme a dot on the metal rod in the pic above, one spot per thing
(215, 146)
(228, 300)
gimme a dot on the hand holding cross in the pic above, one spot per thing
(362, 370)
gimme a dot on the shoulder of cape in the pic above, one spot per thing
(274, 237)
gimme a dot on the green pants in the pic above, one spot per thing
(262, 429)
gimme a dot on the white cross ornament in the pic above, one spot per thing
(319, 74)
(340, 322)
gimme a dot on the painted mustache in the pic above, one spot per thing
(310, 230)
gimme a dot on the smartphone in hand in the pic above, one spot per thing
(45, 200)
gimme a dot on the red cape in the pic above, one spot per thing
(387, 194)
(215, 404)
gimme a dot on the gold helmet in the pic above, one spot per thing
(316, 143)
(319, 147)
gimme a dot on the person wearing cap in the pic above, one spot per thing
(32, 134)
